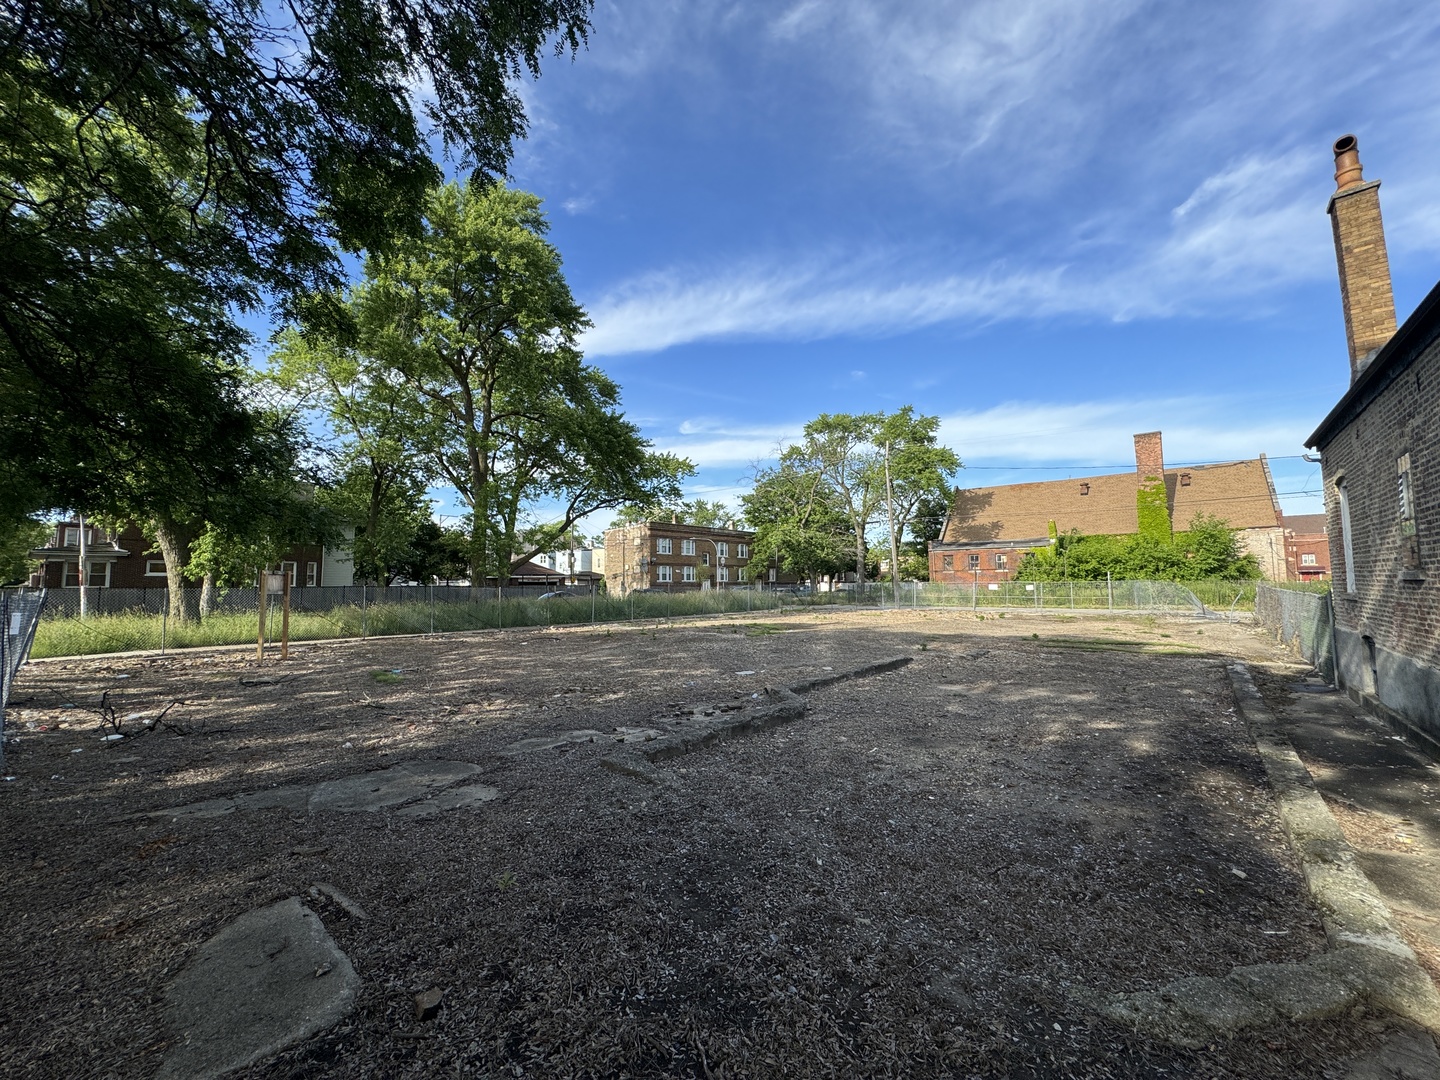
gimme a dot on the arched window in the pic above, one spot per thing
(1346, 540)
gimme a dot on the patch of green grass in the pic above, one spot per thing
(387, 678)
(762, 630)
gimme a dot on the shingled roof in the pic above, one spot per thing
(1238, 492)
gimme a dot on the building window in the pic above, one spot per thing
(687, 547)
(1001, 561)
(687, 573)
(742, 551)
(1308, 559)
(1347, 542)
(312, 574)
(705, 559)
(664, 574)
(722, 549)
(974, 562)
(154, 567)
(772, 573)
(288, 569)
(742, 574)
(72, 536)
(99, 575)
(947, 562)
(664, 546)
(724, 573)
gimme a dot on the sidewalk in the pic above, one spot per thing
(1385, 793)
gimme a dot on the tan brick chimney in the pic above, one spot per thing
(1149, 457)
(1360, 252)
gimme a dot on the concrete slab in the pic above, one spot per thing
(368, 792)
(454, 799)
(269, 980)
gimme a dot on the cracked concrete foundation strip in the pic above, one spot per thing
(1367, 958)
(763, 711)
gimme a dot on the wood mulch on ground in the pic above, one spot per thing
(912, 880)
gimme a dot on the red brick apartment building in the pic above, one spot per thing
(1307, 547)
(1380, 457)
(989, 530)
(676, 557)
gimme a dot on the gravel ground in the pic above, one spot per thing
(910, 881)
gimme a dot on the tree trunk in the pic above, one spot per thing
(207, 596)
(173, 539)
(859, 557)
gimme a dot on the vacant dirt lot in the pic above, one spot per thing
(909, 881)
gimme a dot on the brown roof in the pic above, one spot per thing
(1306, 524)
(1238, 492)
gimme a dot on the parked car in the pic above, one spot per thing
(557, 594)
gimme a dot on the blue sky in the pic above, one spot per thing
(1052, 223)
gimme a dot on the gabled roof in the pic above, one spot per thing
(1238, 492)
(1305, 524)
(1416, 335)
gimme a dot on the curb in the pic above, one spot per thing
(1367, 959)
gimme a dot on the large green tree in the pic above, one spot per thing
(165, 164)
(799, 526)
(473, 324)
(849, 454)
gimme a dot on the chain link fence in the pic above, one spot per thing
(121, 620)
(1303, 621)
(19, 615)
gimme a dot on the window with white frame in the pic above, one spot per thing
(664, 574)
(687, 573)
(705, 559)
(974, 562)
(772, 573)
(154, 567)
(288, 569)
(724, 573)
(1347, 543)
(72, 536)
(722, 549)
(742, 574)
(742, 551)
(687, 547)
(312, 574)
(1001, 561)
(1308, 559)
(664, 546)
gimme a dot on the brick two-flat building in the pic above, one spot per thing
(1380, 454)
(989, 530)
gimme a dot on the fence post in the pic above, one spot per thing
(1109, 592)
(364, 612)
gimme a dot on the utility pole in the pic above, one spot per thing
(894, 543)
(84, 559)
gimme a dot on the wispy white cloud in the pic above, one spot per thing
(1233, 237)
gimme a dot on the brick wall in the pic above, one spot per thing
(1149, 457)
(1393, 604)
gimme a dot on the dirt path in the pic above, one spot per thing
(910, 881)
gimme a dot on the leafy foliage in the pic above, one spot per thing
(697, 512)
(164, 164)
(461, 358)
(1208, 549)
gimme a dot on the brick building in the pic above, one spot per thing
(676, 557)
(1380, 454)
(989, 530)
(126, 560)
(1307, 547)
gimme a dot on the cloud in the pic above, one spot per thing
(577, 205)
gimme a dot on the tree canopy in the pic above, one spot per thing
(467, 334)
(164, 165)
(837, 472)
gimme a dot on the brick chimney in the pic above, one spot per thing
(1360, 252)
(1149, 457)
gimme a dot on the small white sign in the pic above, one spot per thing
(274, 583)
(15, 624)
(993, 588)
(1029, 588)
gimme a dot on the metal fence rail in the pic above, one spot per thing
(1302, 621)
(19, 615)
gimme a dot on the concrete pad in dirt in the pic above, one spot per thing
(1405, 1055)
(270, 979)
(417, 782)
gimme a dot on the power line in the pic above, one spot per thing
(1125, 467)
